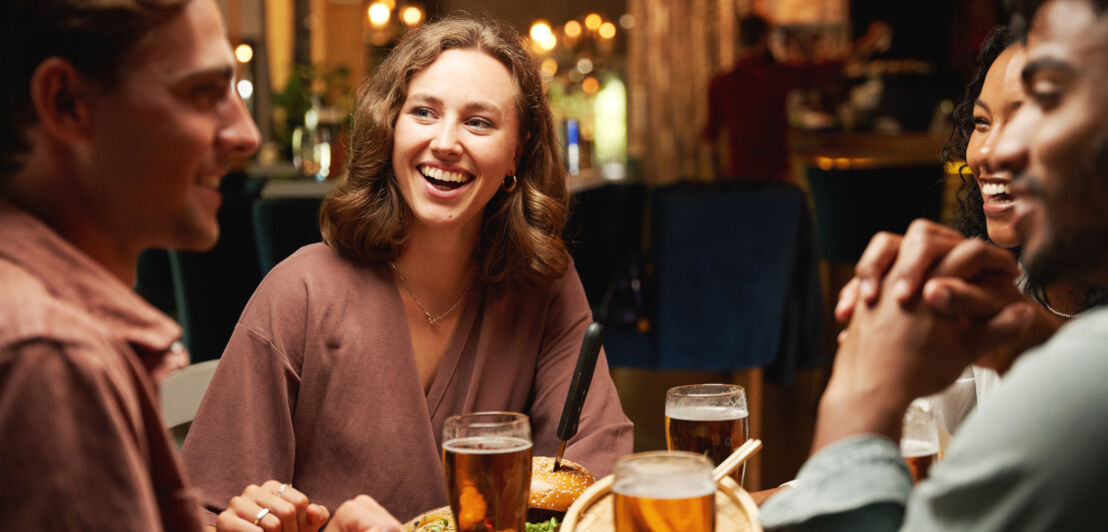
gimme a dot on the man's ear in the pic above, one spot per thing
(59, 95)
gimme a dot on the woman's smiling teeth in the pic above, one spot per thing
(994, 189)
(444, 179)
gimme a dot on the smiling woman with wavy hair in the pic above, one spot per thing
(365, 217)
(443, 288)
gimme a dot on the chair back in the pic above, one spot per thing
(181, 393)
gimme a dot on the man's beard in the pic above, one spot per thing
(1080, 250)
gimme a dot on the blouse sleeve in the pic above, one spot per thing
(243, 431)
(604, 433)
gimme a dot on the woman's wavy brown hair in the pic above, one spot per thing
(366, 219)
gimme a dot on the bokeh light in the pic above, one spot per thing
(245, 88)
(573, 29)
(593, 21)
(379, 14)
(607, 30)
(543, 35)
(411, 15)
(590, 85)
(244, 53)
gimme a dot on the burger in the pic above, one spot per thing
(552, 493)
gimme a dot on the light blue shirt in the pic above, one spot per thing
(1032, 457)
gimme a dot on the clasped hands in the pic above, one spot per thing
(922, 307)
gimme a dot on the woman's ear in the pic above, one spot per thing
(59, 95)
(519, 151)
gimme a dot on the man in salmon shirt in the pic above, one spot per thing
(119, 119)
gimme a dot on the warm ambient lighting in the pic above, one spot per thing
(584, 65)
(244, 53)
(590, 85)
(627, 21)
(543, 35)
(573, 29)
(379, 14)
(593, 21)
(607, 30)
(549, 67)
(411, 15)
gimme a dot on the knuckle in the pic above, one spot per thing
(283, 510)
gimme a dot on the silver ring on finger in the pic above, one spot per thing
(258, 518)
(282, 488)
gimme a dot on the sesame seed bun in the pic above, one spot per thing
(552, 493)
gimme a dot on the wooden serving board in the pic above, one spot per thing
(593, 511)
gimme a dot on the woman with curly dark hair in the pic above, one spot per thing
(985, 208)
(443, 287)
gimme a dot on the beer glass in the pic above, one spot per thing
(710, 419)
(486, 458)
(919, 441)
(664, 490)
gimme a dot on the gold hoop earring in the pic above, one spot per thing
(510, 183)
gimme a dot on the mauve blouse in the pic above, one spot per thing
(318, 386)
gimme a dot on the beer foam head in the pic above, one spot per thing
(668, 487)
(705, 413)
(664, 475)
(486, 445)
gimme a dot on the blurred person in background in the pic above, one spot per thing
(746, 104)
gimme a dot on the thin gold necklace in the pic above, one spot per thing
(433, 320)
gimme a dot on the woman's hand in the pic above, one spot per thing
(363, 514)
(272, 507)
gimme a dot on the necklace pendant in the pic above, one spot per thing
(432, 320)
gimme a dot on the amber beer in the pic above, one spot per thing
(486, 459)
(919, 455)
(712, 431)
(664, 491)
(709, 419)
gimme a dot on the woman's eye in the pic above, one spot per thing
(479, 123)
(421, 112)
(981, 123)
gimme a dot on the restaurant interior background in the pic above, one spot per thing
(696, 280)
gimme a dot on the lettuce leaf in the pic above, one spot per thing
(545, 526)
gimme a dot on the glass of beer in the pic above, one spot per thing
(919, 442)
(664, 490)
(709, 419)
(486, 458)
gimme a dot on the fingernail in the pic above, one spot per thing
(901, 290)
(868, 289)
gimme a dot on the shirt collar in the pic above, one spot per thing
(72, 276)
